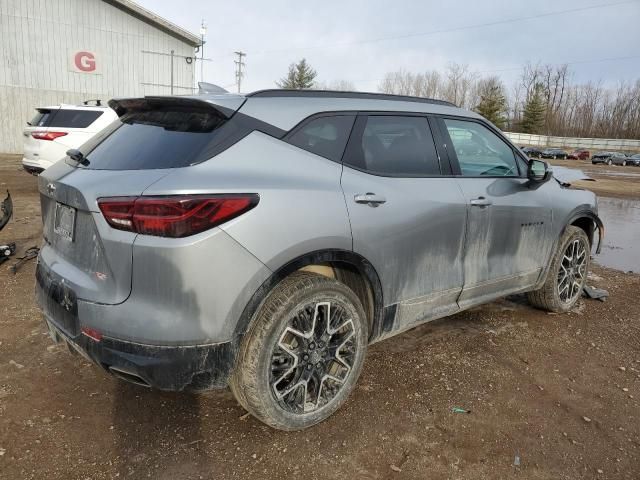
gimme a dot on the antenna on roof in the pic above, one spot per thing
(204, 87)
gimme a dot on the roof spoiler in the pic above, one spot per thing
(224, 105)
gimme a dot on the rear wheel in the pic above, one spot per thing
(567, 273)
(303, 354)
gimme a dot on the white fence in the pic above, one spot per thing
(592, 144)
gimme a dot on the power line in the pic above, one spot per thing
(446, 30)
(519, 67)
(577, 62)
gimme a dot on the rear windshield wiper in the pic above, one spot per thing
(78, 157)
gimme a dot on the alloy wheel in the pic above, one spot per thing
(313, 357)
(573, 271)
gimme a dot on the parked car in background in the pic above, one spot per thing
(634, 160)
(554, 153)
(179, 252)
(532, 152)
(604, 157)
(621, 159)
(56, 129)
(579, 155)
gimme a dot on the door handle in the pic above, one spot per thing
(370, 199)
(481, 202)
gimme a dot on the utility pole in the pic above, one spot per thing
(203, 32)
(239, 64)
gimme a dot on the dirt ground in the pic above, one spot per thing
(549, 397)
(611, 181)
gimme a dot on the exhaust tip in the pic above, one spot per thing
(128, 377)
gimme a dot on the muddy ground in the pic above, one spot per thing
(611, 181)
(550, 397)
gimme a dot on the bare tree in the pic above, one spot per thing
(582, 110)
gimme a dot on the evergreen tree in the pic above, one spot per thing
(300, 76)
(493, 103)
(534, 111)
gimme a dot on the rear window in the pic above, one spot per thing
(41, 118)
(395, 146)
(163, 138)
(65, 118)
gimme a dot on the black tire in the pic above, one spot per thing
(271, 346)
(550, 297)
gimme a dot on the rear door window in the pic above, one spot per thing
(162, 138)
(395, 145)
(325, 136)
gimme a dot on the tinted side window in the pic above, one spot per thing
(325, 136)
(396, 146)
(73, 118)
(41, 119)
(480, 151)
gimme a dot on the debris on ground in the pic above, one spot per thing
(6, 210)
(460, 410)
(6, 251)
(29, 254)
(595, 293)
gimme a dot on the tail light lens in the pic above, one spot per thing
(47, 135)
(174, 216)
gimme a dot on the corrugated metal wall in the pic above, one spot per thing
(593, 144)
(38, 39)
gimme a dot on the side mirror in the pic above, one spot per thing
(538, 171)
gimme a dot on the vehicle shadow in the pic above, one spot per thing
(152, 427)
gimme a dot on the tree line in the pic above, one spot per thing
(543, 100)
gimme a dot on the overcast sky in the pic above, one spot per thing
(361, 40)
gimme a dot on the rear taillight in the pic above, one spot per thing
(174, 216)
(47, 135)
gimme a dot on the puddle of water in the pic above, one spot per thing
(621, 248)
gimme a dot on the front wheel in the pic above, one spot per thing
(303, 353)
(567, 273)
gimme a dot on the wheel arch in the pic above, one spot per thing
(347, 266)
(588, 221)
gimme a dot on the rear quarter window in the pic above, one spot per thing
(325, 136)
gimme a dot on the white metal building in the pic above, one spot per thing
(68, 51)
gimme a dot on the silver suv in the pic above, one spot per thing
(263, 241)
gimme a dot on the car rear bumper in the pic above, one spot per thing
(163, 367)
(34, 166)
(197, 367)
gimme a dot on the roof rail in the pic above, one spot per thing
(340, 94)
(97, 101)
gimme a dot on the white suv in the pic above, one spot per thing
(54, 130)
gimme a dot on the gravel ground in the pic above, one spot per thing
(548, 397)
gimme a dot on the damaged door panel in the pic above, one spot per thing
(508, 224)
(406, 219)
